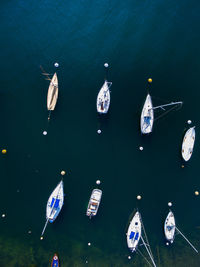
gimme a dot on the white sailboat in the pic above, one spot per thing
(134, 232)
(103, 98)
(188, 143)
(94, 203)
(170, 227)
(54, 204)
(147, 115)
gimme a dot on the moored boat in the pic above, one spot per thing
(134, 232)
(147, 116)
(55, 202)
(52, 95)
(103, 98)
(55, 261)
(94, 203)
(170, 227)
(188, 143)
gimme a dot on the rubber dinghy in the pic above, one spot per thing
(55, 261)
(103, 98)
(188, 144)
(94, 203)
(147, 116)
(170, 227)
(134, 232)
(52, 95)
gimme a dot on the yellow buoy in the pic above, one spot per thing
(62, 172)
(150, 80)
(41, 238)
(4, 151)
(182, 166)
(196, 193)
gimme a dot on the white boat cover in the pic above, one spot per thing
(52, 93)
(188, 143)
(147, 116)
(170, 227)
(94, 202)
(134, 232)
(103, 98)
(55, 202)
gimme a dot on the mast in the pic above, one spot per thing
(170, 104)
(187, 240)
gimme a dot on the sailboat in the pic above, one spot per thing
(188, 143)
(170, 230)
(103, 98)
(52, 94)
(54, 204)
(147, 115)
(170, 227)
(94, 203)
(134, 234)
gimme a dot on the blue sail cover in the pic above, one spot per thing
(147, 120)
(56, 203)
(132, 235)
(136, 236)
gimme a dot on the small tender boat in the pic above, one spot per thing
(103, 98)
(94, 202)
(170, 227)
(55, 261)
(134, 232)
(54, 204)
(52, 93)
(188, 143)
(147, 116)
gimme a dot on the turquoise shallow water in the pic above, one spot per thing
(158, 39)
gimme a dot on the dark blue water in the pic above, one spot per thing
(139, 39)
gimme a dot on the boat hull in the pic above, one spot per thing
(188, 144)
(170, 227)
(52, 95)
(134, 232)
(55, 261)
(55, 202)
(103, 98)
(94, 203)
(147, 116)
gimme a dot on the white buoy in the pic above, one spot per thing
(98, 181)
(106, 65)
(169, 204)
(99, 131)
(56, 65)
(167, 243)
(45, 133)
(29, 231)
(86, 261)
(129, 257)
(141, 148)
(63, 173)
(139, 197)
(89, 244)
(189, 121)
(41, 238)
(3, 215)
